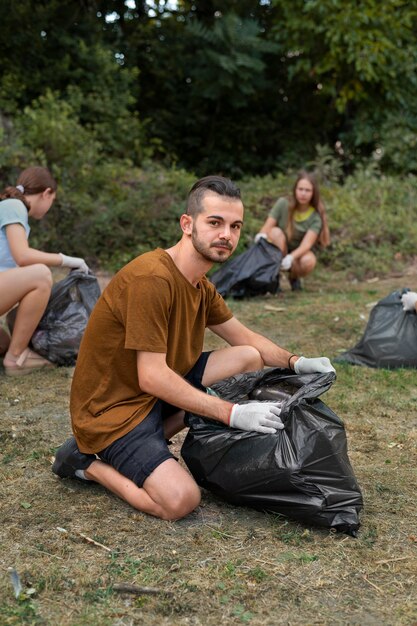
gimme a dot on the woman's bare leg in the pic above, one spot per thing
(303, 266)
(30, 287)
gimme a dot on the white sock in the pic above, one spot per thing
(80, 474)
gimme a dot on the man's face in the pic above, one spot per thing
(216, 230)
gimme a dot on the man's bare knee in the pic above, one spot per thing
(182, 503)
(252, 359)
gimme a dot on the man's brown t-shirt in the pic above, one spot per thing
(149, 305)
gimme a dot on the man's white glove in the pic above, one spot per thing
(409, 300)
(286, 262)
(320, 364)
(74, 262)
(260, 236)
(263, 417)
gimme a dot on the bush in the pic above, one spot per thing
(108, 211)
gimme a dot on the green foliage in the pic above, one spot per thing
(50, 126)
(357, 49)
(60, 48)
(109, 211)
(228, 59)
(241, 88)
(361, 60)
(394, 139)
(209, 88)
(327, 165)
(372, 223)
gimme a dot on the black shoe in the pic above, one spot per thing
(277, 289)
(68, 459)
(296, 284)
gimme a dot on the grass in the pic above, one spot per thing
(222, 564)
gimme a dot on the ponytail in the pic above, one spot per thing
(16, 194)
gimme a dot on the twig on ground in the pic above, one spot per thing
(49, 554)
(95, 543)
(398, 558)
(216, 530)
(379, 590)
(85, 537)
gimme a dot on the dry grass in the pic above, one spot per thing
(222, 564)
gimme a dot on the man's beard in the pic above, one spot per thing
(209, 252)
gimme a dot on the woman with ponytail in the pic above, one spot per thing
(296, 225)
(25, 277)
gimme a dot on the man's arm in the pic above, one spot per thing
(236, 334)
(157, 379)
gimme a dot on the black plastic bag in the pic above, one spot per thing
(252, 273)
(59, 333)
(302, 472)
(390, 337)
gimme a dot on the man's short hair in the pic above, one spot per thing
(220, 185)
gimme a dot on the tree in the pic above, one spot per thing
(361, 56)
(61, 47)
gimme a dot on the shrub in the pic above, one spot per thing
(108, 211)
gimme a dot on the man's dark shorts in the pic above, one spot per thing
(144, 448)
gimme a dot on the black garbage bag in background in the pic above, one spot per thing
(59, 332)
(252, 273)
(302, 471)
(390, 337)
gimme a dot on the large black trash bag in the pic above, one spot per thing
(59, 333)
(302, 472)
(252, 273)
(390, 337)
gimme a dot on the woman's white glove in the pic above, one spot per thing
(286, 262)
(319, 365)
(74, 262)
(262, 417)
(409, 300)
(259, 236)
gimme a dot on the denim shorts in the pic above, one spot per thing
(140, 451)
